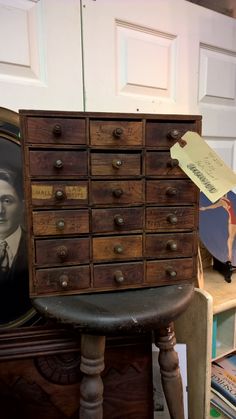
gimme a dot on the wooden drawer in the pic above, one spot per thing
(161, 164)
(118, 275)
(163, 134)
(50, 223)
(162, 246)
(62, 251)
(116, 133)
(171, 271)
(117, 192)
(117, 220)
(61, 280)
(64, 193)
(115, 164)
(55, 130)
(60, 163)
(117, 247)
(171, 218)
(171, 192)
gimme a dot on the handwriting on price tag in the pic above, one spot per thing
(203, 166)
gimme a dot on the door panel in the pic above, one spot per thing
(139, 59)
(40, 60)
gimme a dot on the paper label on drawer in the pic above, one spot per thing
(47, 191)
(76, 192)
(203, 166)
(42, 191)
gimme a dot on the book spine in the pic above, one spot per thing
(214, 335)
(223, 385)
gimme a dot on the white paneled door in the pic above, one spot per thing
(40, 54)
(163, 56)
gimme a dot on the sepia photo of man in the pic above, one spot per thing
(14, 294)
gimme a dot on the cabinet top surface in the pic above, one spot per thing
(74, 114)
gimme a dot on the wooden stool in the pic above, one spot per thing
(126, 312)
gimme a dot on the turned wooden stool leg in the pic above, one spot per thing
(91, 387)
(170, 372)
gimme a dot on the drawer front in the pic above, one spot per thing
(116, 133)
(62, 252)
(161, 164)
(115, 164)
(58, 163)
(165, 272)
(171, 218)
(121, 247)
(117, 220)
(68, 193)
(161, 246)
(117, 192)
(118, 275)
(50, 223)
(62, 280)
(170, 192)
(56, 131)
(163, 134)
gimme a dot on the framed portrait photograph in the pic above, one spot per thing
(15, 305)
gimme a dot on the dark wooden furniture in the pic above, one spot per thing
(107, 207)
(109, 210)
(40, 375)
(132, 312)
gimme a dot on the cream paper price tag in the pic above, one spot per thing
(203, 166)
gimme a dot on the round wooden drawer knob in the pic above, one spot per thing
(118, 192)
(60, 224)
(119, 220)
(171, 191)
(118, 249)
(172, 219)
(119, 277)
(62, 252)
(117, 133)
(172, 245)
(171, 272)
(59, 195)
(173, 163)
(64, 281)
(57, 130)
(117, 163)
(58, 164)
(174, 134)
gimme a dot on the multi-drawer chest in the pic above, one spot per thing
(107, 208)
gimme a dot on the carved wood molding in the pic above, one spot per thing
(29, 342)
(36, 341)
(63, 369)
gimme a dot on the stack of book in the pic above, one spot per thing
(223, 385)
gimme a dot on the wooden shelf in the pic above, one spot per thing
(223, 293)
(215, 303)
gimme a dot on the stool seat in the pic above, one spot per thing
(118, 312)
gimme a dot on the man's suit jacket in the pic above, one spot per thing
(14, 293)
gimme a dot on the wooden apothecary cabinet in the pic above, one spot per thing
(107, 207)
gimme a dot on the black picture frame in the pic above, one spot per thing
(15, 306)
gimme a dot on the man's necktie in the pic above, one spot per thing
(4, 260)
